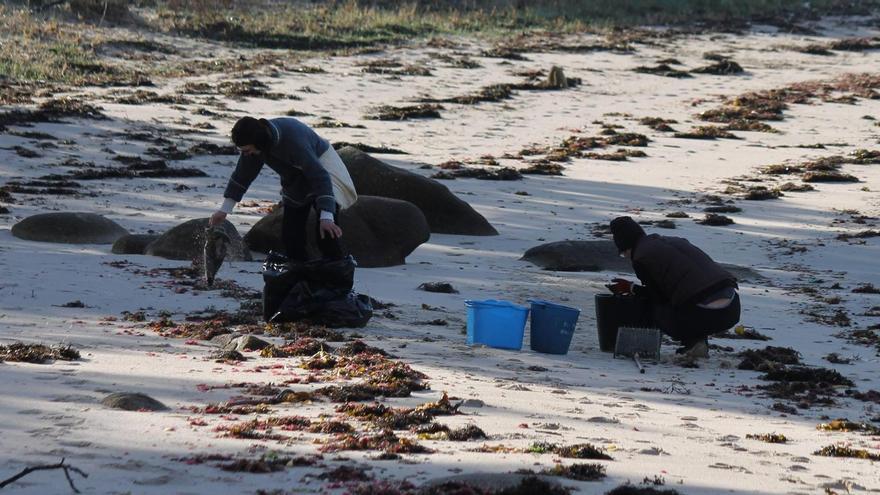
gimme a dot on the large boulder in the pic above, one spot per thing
(187, 242)
(133, 401)
(595, 256)
(376, 231)
(133, 243)
(445, 212)
(69, 228)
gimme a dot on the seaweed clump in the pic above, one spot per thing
(37, 353)
(768, 437)
(578, 472)
(424, 111)
(715, 220)
(768, 358)
(577, 451)
(848, 452)
(845, 425)
(706, 132)
(385, 441)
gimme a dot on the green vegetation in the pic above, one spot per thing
(49, 43)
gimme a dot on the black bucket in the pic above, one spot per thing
(613, 312)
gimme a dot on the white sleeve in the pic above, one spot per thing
(326, 215)
(228, 204)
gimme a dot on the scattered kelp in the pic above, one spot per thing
(249, 88)
(385, 441)
(792, 187)
(832, 176)
(356, 347)
(143, 97)
(136, 167)
(346, 474)
(542, 167)
(662, 70)
(770, 104)
(303, 347)
(715, 220)
(722, 67)
(658, 124)
(846, 451)
(768, 437)
(577, 451)
(268, 463)
(761, 193)
(501, 173)
(866, 289)
(54, 110)
(768, 358)
(641, 490)
(577, 472)
(388, 112)
(436, 431)
(400, 418)
(845, 425)
(706, 132)
(37, 353)
(206, 148)
(297, 330)
(855, 44)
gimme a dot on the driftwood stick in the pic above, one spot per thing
(67, 468)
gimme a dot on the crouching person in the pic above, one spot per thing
(690, 296)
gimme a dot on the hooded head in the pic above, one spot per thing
(626, 233)
(250, 131)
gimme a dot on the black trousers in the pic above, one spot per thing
(294, 234)
(691, 323)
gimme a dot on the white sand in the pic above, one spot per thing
(693, 434)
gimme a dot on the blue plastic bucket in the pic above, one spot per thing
(494, 323)
(552, 327)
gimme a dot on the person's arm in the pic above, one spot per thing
(247, 169)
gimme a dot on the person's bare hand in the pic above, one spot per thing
(217, 218)
(329, 228)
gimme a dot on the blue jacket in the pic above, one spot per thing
(294, 156)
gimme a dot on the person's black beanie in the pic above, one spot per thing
(626, 233)
(249, 130)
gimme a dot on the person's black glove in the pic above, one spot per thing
(620, 287)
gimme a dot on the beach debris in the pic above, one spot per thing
(132, 401)
(346, 474)
(502, 173)
(67, 468)
(768, 437)
(845, 425)
(385, 441)
(828, 176)
(577, 472)
(846, 451)
(658, 124)
(662, 70)
(438, 287)
(722, 67)
(388, 112)
(792, 187)
(706, 132)
(577, 451)
(37, 353)
(715, 220)
(768, 358)
(835, 358)
(761, 193)
(628, 489)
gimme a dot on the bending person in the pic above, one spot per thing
(304, 162)
(690, 296)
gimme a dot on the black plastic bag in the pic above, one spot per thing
(299, 287)
(318, 291)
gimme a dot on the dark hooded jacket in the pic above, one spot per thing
(675, 271)
(294, 154)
